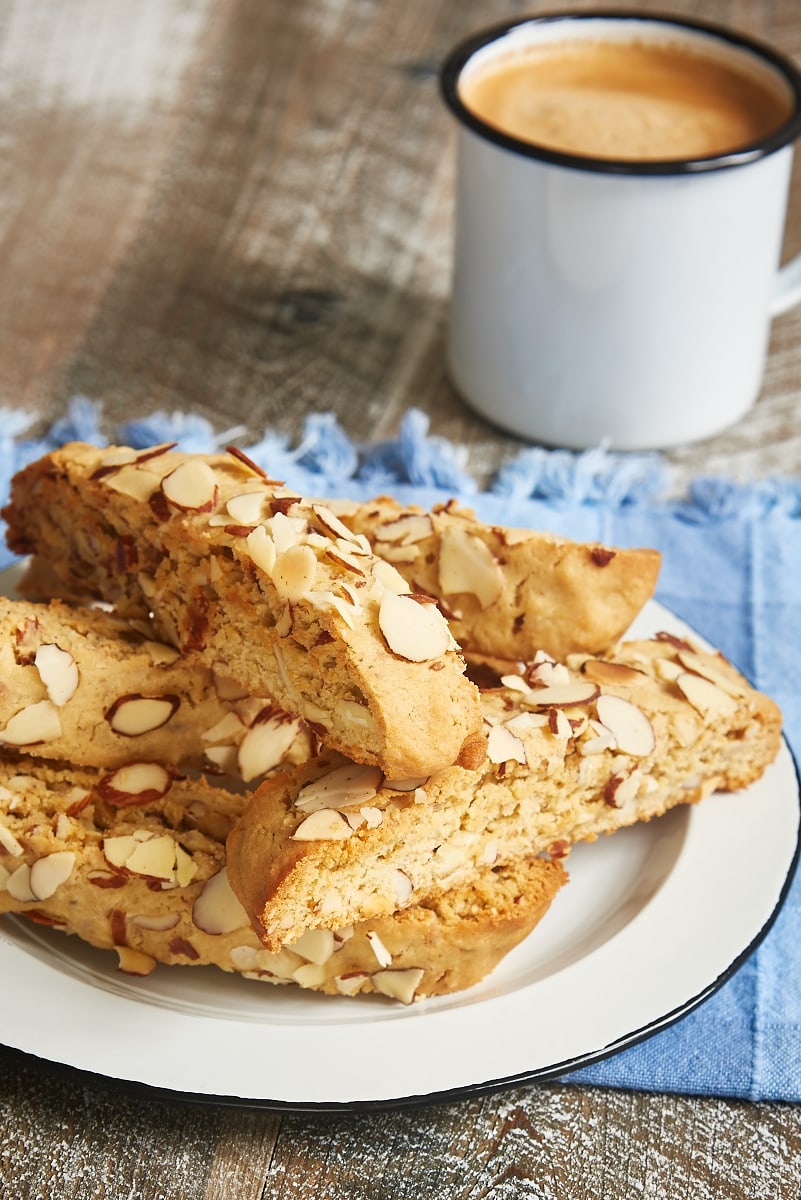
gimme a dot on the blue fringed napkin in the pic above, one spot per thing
(732, 569)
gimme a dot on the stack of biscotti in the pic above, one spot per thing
(122, 849)
(425, 792)
(100, 690)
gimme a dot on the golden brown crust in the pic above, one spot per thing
(268, 588)
(681, 724)
(510, 592)
(188, 916)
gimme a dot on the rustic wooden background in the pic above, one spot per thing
(243, 208)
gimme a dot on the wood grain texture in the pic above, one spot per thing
(243, 208)
(68, 1136)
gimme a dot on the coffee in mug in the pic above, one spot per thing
(626, 101)
(621, 194)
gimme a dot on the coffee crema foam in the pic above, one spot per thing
(623, 101)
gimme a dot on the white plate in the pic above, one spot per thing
(653, 921)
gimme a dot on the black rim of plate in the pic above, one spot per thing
(787, 133)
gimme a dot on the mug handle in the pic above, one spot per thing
(787, 292)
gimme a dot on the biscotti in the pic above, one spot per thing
(88, 687)
(270, 590)
(150, 883)
(572, 753)
(509, 592)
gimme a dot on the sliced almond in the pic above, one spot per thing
(559, 723)
(58, 672)
(49, 872)
(228, 729)
(185, 867)
(191, 487)
(403, 887)
(467, 565)
(35, 723)
(704, 695)
(629, 725)
(315, 945)
(9, 842)
(309, 975)
(117, 456)
(523, 722)
(326, 824)
(217, 909)
(161, 655)
(667, 669)
(332, 524)
(18, 885)
(398, 553)
(135, 783)
(348, 712)
(389, 577)
(398, 984)
(351, 983)
(154, 858)
(134, 715)
(294, 572)
(701, 666)
(157, 922)
(224, 758)
(564, 695)
(505, 746)
(117, 850)
(549, 674)
(514, 683)
(344, 787)
(407, 785)
(414, 631)
(246, 509)
(383, 956)
(134, 962)
(261, 548)
(602, 671)
(628, 789)
(405, 530)
(288, 531)
(133, 481)
(64, 827)
(265, 746)
(597, 744)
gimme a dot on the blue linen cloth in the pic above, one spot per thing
(731, 568)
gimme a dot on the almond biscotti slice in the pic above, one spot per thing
(267, 588)
(150, 883)
(572, 753)
(88, 687)
(509, 592)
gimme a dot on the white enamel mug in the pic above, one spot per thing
(618, 303)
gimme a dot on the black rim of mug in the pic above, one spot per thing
(464, 51)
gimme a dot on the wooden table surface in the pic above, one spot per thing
(243, 208)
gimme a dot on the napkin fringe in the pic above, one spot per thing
(325, 460)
